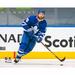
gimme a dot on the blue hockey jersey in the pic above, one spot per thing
(33, 21)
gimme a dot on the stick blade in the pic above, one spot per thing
(63, 59)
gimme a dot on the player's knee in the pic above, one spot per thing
(22, 46)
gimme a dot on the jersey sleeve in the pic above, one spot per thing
(25, 23)
(42, 30)
(43, 27)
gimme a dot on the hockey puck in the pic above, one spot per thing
(61, 64)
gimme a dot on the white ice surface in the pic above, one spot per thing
(39, 63)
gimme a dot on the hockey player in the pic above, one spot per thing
(34, 31)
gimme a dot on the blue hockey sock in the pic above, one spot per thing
(18, 57)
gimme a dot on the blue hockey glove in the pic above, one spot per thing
(38, 39)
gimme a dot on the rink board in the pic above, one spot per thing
(39, 55)
(10, 38)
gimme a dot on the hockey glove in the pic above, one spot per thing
(38, 39)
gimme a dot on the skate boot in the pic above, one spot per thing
(16, 60)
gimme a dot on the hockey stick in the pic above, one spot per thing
(53, 53)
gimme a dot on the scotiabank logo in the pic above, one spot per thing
(70, 42)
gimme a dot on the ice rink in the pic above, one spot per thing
(39, 63)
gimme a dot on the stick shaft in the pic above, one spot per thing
(52, 52)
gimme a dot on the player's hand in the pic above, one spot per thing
(38, 39)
